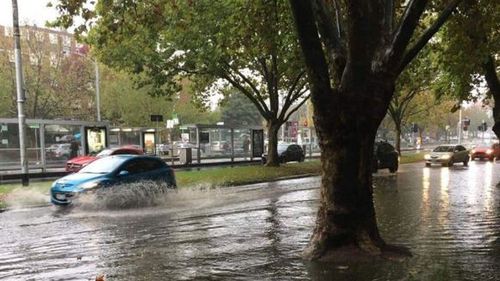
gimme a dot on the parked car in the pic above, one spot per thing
(485, 151)
(109, 171)
(75, 164)
(385, 156)
(447, 155)
(288, 152)
(59, 150)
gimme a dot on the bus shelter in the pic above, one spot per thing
(220, 141)
(147, 138)
(50, 143)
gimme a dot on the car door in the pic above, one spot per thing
(153, 170)
(130, 171)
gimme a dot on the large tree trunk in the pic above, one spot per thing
(494, 86)
(346, 223)
(272, 147)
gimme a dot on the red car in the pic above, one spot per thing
(486, 152)
(75, 164)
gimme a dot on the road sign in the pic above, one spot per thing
(156, 118)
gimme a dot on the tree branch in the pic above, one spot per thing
(422, 41)
(264, 111)
(296, 108)
(316, 65)
(331, 36)
(405, 31)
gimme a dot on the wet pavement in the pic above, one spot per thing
(448, 217)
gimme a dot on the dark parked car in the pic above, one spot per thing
(108, 171)
(385, 156)
(288, 152)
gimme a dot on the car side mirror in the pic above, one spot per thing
(123, 173)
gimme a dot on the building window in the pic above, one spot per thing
(33, 59)
(9, 32)
(11, 56)
(53, 38)
(53, 59)
(40, 36)
(67, 41)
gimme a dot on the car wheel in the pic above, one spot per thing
(263, 160)
(427, 164)
(301, 159)
(466, 162)
(472, 159)
(450, 163)
(491, 159)
(393, 169)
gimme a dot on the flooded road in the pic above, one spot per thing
(448, 217)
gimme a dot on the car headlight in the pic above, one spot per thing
(489, 151)
(473, 151)
(427, 156)
(446, 157)
(89, 185)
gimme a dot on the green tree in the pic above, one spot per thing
(238, 111)
(471, 44)
(414, 81)
(247, 45)
(122, 103)
(354, 51)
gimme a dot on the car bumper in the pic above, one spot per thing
(62, 198)
(437, 161)
(481, 155)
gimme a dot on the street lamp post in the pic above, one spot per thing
(21, 98)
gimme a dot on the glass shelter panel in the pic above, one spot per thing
(62, 142)
(10, 157)
(242, 142)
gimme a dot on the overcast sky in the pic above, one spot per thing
(30, 11)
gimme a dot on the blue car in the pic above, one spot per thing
(110, 171)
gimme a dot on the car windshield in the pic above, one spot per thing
(105, 152)
(443, 149)
(282, 147)
(104, 165)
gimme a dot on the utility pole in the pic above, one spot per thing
(459, 126)
(20, 94)
(97, 98)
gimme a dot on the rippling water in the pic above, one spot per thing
(449, 218)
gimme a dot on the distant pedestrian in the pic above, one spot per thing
(74, 147)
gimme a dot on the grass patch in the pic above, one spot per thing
(412, 157)
(244, 174)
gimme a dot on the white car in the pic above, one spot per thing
(447, 155)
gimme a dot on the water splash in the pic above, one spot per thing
(124, 196)
(22, 198)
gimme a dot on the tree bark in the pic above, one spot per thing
(346, 218)
(398, 138)
(273, 127)
(494, 86)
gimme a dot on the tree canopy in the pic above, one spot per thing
(247, 45)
